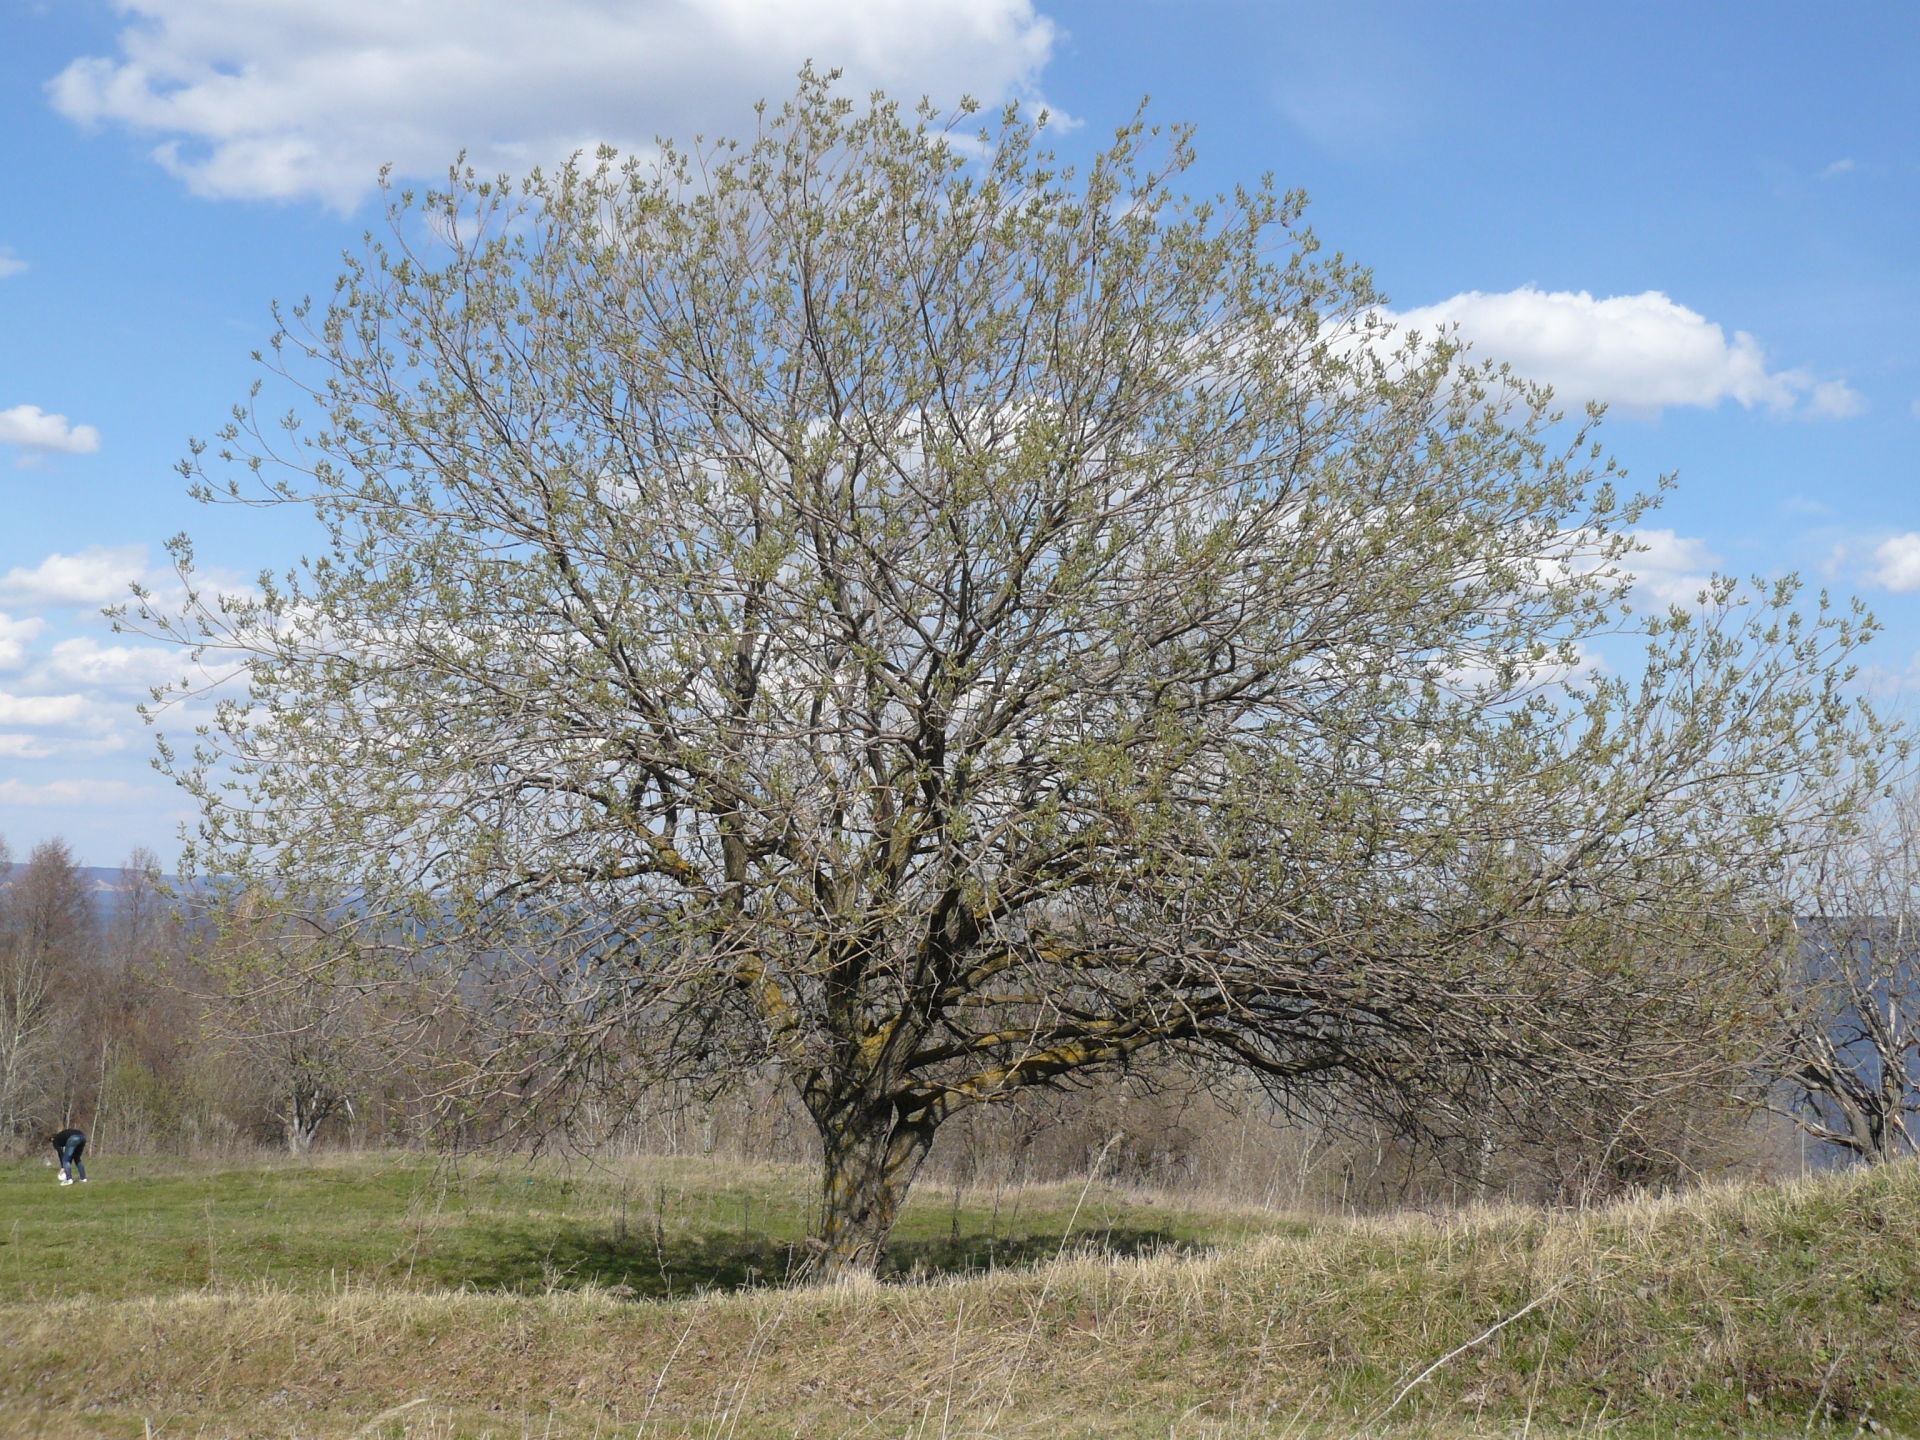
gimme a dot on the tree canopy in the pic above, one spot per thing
(873, 600)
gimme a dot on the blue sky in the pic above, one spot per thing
(1707, 215)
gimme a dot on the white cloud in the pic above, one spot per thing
(10, 264)
(98, 575)
(31, 428)
(83, 661)
(1641, 352)
(1670, 567)
(1891, 681)
(24, 747)
(74, 723)
(1839, 167)
(1834, 400)
(77, 792)
(1896, 564)
(42, 709)
(1663, 567)
(1805, 505)
(14, 635)
(296, 98)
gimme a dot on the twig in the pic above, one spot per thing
(1093, 1173)
(661, 1379)
(385, 1415)
(1481, 1338)
(1820, 1400)
(1046, 1287)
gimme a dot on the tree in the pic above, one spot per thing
(290, 992)
(1854, 987)
(46, 924)
(141, 1026)
(143, 924)
(943, 624)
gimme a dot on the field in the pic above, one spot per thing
(394, 1296)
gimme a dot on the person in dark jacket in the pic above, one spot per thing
(70, 1145)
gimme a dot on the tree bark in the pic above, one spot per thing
(871, 1155)
(304, 1117)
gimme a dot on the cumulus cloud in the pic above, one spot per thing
(14, 635)
(73, 723)
(98, 575)
(1896, 563)
(1640, 352)
(299, 99)
(1669, 567)
(84, 661)
(10, 264)
(1833, 400)
(31, 428)
(42, 709)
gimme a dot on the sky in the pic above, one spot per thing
(1705, 215)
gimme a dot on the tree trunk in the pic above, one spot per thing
(305, 1114)
(870, 1158)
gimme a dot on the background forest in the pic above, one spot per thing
(166, 1023)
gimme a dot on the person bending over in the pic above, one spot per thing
(70, 1145)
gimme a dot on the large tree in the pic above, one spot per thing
(883, 604)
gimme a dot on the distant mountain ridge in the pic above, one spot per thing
(105, 883)
(98, 877)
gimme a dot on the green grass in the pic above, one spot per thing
(657, 1228)
(388, 1296)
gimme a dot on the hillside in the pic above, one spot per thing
(255, 1302)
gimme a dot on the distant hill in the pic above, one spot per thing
(106, 883)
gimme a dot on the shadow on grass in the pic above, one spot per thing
(566, 1257)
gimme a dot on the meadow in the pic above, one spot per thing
(399, 1296)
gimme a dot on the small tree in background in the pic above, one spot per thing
(145, 922)
(25, 1016)
(1854, 987)
(290, 993)
(47, 930)
(947, 625)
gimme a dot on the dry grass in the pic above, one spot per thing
(1789, 1310)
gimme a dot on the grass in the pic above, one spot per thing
(654, 1228)
(389, 1297)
